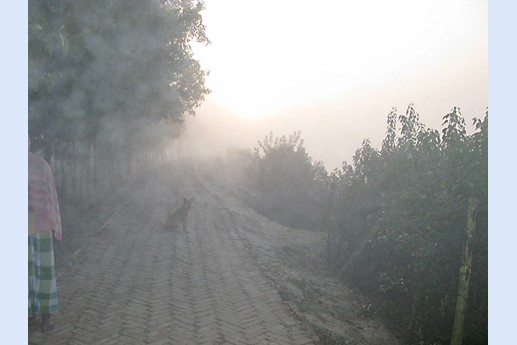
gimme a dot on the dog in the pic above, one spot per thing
(179, 216)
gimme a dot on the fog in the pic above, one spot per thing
(334, 130)
(336, 79)
(120, 113)
(333, 71)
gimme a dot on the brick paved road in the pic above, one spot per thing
(137, 284)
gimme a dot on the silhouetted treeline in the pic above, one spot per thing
(395, 217)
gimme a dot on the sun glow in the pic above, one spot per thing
(269, 56)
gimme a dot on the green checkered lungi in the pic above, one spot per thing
(42, 274)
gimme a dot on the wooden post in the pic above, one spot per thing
(465, 269)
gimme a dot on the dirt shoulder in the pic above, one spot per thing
(294, 261)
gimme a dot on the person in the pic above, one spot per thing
(44, 222)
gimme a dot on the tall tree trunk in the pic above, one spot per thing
(465, 269)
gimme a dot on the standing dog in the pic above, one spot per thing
(178, 216)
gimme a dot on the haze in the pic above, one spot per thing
(334, 69)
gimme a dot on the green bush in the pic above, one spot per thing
(401, 215)
(287, 186)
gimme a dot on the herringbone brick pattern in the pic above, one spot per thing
(138, 284)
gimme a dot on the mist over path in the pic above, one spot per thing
(135, 283)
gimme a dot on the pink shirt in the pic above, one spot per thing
(43, 201)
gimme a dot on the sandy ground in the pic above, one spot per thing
(294, 260)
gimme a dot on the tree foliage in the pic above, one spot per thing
(110, 83)
(286, 181)
(395, 217)
(401, 218)
(97, 66)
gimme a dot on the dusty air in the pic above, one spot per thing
(258, 172)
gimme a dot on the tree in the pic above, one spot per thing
(110, 83)
(286, 182)
(95, 65)
(400, 213)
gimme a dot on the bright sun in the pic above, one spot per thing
(269, 56)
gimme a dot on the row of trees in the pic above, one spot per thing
(395, 217)
(110, 82)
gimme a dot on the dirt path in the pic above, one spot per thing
(234, 278)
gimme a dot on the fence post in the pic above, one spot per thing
(465, 269)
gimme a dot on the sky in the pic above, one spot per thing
(334, 69)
